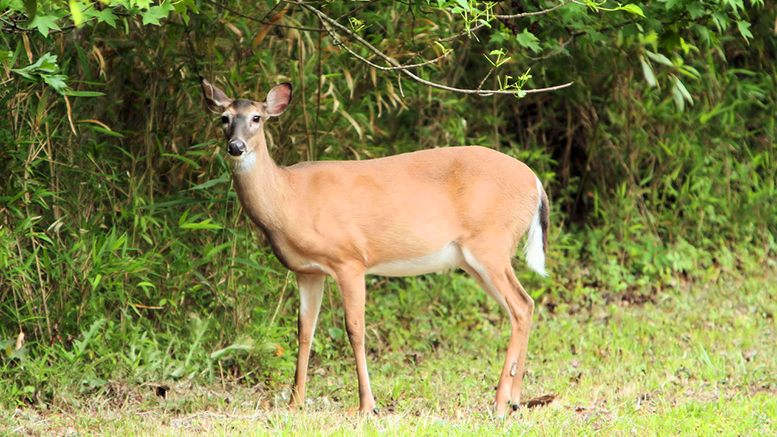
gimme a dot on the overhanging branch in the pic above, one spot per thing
(330, 24)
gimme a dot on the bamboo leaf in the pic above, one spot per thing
(684, 91)
(658, 57)
(677, 95)
(648, 72)
(353, 123)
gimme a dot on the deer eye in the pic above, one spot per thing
(256, 118)
(224, 119)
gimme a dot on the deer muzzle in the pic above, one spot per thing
(236, 147)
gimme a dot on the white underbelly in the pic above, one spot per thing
(445, 258)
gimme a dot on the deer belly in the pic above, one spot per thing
(445, 258)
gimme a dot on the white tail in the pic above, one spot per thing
(535, 239)
(409, 214)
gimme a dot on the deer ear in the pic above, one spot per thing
(278, 99)
(216, 100)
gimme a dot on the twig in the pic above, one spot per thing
(490, 71)
(280, 300)
(560, 49)
(219, 16)
(312, 157)
(532, 14)
(356, 9)
(505, 17)
(258, 20)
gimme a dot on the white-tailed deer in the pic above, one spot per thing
(404, 215)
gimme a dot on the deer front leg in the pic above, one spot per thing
(311, 290)
(352, 288)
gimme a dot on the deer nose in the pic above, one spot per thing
(236, 147)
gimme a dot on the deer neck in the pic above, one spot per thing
(261, 186)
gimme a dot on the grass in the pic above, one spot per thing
(694, 360)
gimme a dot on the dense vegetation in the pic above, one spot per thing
(123, 250)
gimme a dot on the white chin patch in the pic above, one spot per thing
(243, 163)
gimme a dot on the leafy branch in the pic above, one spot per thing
(485, 23)
(332, 27)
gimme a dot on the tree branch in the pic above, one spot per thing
(330, 23)
(356, 9)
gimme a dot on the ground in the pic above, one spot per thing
(699, 359)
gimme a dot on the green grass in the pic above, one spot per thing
(695, 360)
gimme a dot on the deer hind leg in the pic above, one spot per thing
(527, 304)
(491, 267)
(311, 290)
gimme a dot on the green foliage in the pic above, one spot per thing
(47, 70)
(124, 253)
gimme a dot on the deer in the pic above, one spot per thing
(410, 214)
